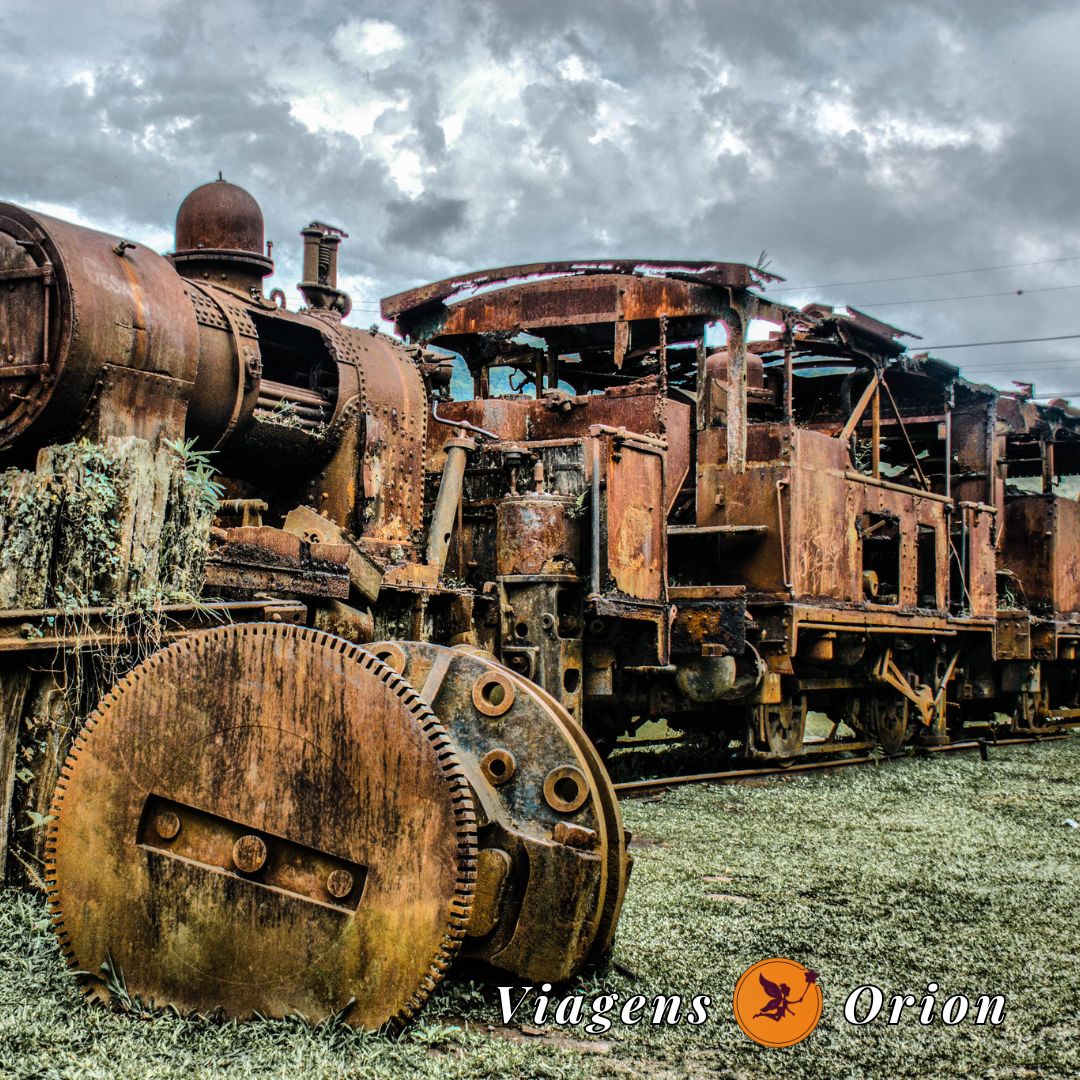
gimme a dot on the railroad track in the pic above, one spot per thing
(637, 788)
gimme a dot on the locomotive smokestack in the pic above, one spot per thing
(321, 243)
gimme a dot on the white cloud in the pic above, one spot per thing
(574, 69)
(360, 41)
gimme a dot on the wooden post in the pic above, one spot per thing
(14, 681)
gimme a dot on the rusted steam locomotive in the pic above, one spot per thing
(367, 746)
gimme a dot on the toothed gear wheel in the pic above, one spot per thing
(264, 819)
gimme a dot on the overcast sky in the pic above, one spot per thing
(848, 140)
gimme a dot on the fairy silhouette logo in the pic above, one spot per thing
(766, 1008)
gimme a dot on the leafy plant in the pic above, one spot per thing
(112, 975)
(37, 821)
(199, 473)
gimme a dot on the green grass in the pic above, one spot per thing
(946, 869)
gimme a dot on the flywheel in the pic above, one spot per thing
(264, 819)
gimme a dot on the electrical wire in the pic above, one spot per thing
(1028, 366)
(971, 296)
(1007, 341)
(918, 277)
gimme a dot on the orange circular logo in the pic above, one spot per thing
(778, 1002)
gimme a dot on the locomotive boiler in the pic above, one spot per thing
(427, 578)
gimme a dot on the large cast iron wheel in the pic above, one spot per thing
(550, 778)
(264, 819)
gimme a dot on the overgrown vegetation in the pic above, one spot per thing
(946, 870)
(194, 495)
(103, 537)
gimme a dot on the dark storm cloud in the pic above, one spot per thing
(849, 140)
(421, 224)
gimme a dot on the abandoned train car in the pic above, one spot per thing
(342, 680)
(729, 537)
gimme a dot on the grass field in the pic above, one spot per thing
(946, 870)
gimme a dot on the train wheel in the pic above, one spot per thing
(887, 718)
(550, 819)
(1029, 712)
(783, 726)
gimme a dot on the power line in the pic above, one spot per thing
(1009, 341)
(971, 296)
(918, 277)
(1028, 366)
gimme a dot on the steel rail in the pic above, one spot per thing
(631, 788)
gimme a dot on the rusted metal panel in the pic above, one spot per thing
(526, 419)
(1012, 636)
(580, 301)
(982, 581)
(822, 543)
(1042, 548)
(738, 275)
(1066, 528)
(395, 411)
(1027, 518)
(272, 560)
(750, 498)
(538, 534)
(635, 521)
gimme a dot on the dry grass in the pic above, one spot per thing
(947, 870)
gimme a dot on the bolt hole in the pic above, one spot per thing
(522, 629)
(566, 789)
(498, 766)
(493, 693)
(391, 655)
(571, 680)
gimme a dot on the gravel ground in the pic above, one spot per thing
(946, 870)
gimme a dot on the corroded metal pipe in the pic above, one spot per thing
(446, 503)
